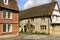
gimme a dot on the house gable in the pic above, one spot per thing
(56, 10)
(56, 15)
(56, 7)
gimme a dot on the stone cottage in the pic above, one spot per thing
(43, 19)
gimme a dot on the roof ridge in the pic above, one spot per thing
(40, 5)
(45, 10)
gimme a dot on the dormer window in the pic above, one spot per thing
(6, 2)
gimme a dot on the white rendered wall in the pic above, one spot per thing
(55, 15)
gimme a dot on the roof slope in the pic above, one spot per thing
(42, 10)
(12, 4)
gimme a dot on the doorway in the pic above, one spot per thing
(25, 28)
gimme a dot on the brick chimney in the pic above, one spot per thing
(53, 0)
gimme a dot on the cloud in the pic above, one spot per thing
(32, 3)
(28, 4)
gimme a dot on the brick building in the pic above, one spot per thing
(8, 17)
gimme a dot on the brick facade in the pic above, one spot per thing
(13, 21)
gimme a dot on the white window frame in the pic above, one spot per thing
(7, 29)
(6, 3)
(10, 16)
(43, 27)
(7, 15)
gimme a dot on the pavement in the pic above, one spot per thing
(32, 37)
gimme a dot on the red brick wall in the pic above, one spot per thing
(14, 30)
(14, 20)
(0, 29)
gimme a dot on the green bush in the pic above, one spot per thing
(37, 32)
(21, 31)
(44, 33)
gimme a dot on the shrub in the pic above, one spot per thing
(21, 31)
(44, 33)
(37, 32)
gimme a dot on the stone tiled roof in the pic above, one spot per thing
(38, 11)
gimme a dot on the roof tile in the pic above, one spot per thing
(42, 10)
(12, 4)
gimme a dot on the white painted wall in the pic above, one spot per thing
(55, 19)
(55, 15)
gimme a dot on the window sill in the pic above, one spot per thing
(6, 32)
(7, 19)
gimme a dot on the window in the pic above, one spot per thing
(4, 27)
(43, 18)
(4, 14)
(52, 16)
(7, 14)
(57, 18)
(5, 2)
(7, 28)
(43, 27)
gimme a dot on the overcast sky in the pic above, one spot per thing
(25, 4)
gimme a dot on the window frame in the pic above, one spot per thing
(2, 28)
(5, 2)
(7, 28)
(43, 27)
(7, 13)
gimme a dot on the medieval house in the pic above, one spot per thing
(8, 17)
(43, 19)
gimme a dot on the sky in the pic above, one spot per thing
(25, 4)
(21, 3)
